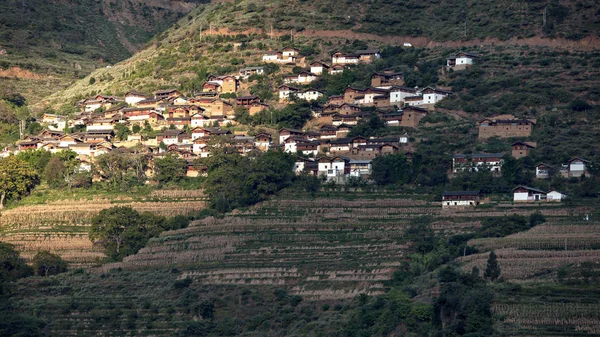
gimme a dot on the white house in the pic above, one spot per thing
(461, 60)
(397, 94)
(273, 56)
(338, 166)
(543, 171)
(133, 97)
(577, 167)
(524, 194)
(461, 199)
(309, 94)
(476, 161)
(318, 67)
(555, 195)
(285, 91)
(249, 71)
(336, 69)
(433, 95)
(344, 58)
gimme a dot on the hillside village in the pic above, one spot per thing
(167, 122)
(299, 168)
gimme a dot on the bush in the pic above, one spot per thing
(46, 263)
(184, 283)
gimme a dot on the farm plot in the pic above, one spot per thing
(319, 249)
(62, 226)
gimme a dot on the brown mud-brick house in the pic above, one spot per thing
(179, 122)
(461, 198)
(411, 116)
(368, 55)
(247, 101)
(262, 141)
(327, 132)
(168, 93)
(257, 107)
(522, 149)
(387, 79)
(214, 107)
(348, 109)
(505, 126)
(350, 94)
(223, 84)
(336, 99)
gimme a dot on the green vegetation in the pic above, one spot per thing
(17, 178)
(123, 231)
(492, 269)
(235, 181)
(46, 264)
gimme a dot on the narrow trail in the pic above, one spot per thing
(588, 43)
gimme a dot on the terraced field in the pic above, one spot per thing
(554, 269)
(62, 226)
(321, 251)
(324, 248)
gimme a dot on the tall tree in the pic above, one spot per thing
(391, 169)
(492, 269)
(17, 178)
(169, 168)
(109, 227)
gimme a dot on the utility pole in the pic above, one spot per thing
(544, 16)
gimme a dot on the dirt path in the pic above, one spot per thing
(588, 43)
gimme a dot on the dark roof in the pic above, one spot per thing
(366, 51)
(507, 121)
(479, 155)
(166, 91)
(139, 93)
(247, 97)
(523, 143)
(577, 158)
(375, 146)
(529, 188)
(346, 140)
(461, 193)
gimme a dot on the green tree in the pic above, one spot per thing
(17, 178)
(122, 231)
(136, 129)
(234, 180)
(421, 235)
(46, 263)
(12, 266)
(391, 169)
(109, 229)
(37, 159)
(122, 131)
(492, 269)
(169, 168)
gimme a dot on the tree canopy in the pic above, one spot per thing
(17, 178)
(235, 181)
(123, 231)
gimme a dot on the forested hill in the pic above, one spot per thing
(45, 34)
(437, 20)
